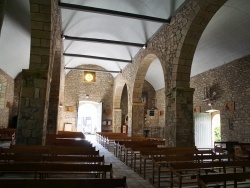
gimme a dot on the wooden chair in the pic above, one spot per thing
(218, 150)
(239, 154)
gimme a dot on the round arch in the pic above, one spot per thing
(138, 111)
(120, 83)
(140, 77)
(188, 42)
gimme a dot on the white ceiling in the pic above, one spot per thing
(226, 38)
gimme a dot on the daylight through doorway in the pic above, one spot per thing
(89, 117)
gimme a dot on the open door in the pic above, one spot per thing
(89, 117)
(203, 130)
(99, 117)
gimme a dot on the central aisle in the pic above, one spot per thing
(119, 168)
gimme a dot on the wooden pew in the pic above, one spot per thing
(70, 134)
(7, 134)
(192, 169)
(146, 155)
(8, 159)
(101, 136)
(125, 147)
(50, 150)
(161, 164)
(51, 138)
(205, 181)
(65, 183)
(72, 142)
(45, 169)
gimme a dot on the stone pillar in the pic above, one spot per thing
(117, 121)
(34, 98)
(31, 119)
(55, 90)
(137, 119)
(180, 128)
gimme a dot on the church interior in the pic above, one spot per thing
(126, 76)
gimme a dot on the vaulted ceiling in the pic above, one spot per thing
(110, 33)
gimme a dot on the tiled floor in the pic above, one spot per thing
(119, 168)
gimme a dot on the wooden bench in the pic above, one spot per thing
(146, 155)
(45, 169)
(125, 149)
(70, 134)
(50, 150)
(7, 159)
(65, 183)
(51, 138)
(101, 136)
(205, 181)
(186, 173)
(7, 134)
(72, 142)
(161, 164)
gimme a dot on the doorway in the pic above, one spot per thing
(89, 117)
(207, 129)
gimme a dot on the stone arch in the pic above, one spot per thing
(118, 93)
(185, 32)
(137, 105)
(140, 76)
(117, 112)
(195, 26)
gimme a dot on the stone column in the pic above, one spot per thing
(137, 119)
(35, 90)
(117, 121)
(180, 128)
(31, 119)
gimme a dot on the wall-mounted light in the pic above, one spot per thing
(89, 76)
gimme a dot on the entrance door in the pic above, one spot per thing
(89, 117)
(203, 130)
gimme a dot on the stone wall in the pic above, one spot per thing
(6, 99)
(161, 105)
(99, 91)
(17, 89)
(150, 95)
(231, 83)
(124, 104)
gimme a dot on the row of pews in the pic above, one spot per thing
(176, 166)
(66, 161)
(7, 134)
